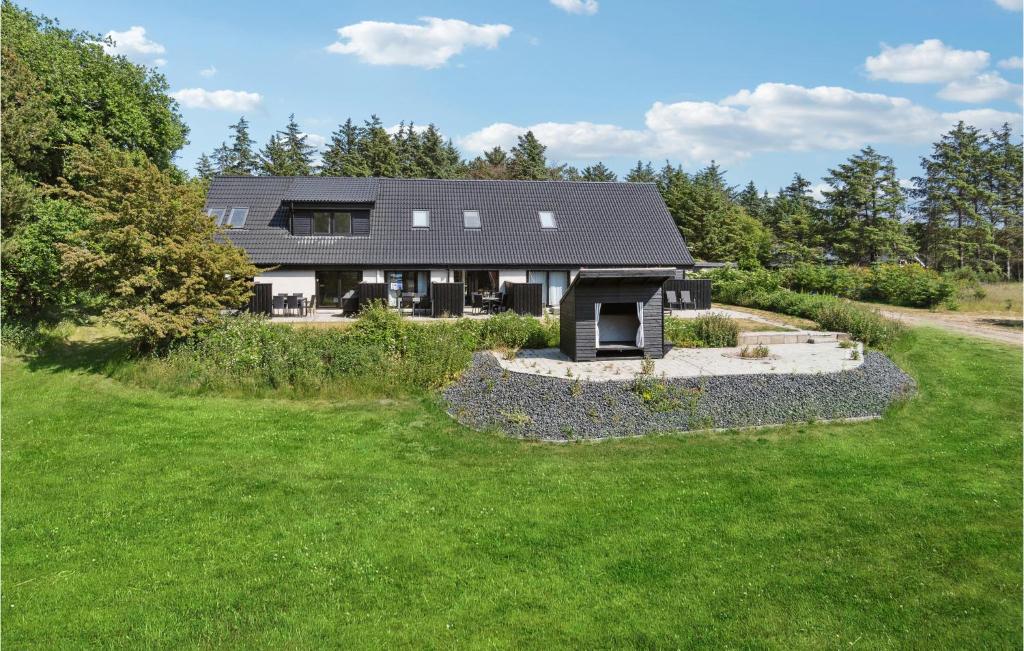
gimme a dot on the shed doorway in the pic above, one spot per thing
(618, 327)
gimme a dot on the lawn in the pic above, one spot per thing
(132, 518)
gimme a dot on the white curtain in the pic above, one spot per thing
(640, 328)
(597, 327)
(559, 281)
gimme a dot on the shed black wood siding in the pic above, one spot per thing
(577, 316)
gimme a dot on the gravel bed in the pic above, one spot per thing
(559, 409)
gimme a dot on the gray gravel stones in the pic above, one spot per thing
(544, 407)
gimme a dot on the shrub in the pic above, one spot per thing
(706, 331)
(909, 285)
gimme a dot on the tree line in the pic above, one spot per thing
(963, 211)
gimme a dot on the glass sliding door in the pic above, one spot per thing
(558, 282)
(406, 282)
(331, 286)
(553, 285)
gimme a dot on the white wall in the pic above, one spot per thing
(510, 276)
(290, 281)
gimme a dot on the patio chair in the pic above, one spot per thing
(476, 301)
(670, 299)
(406, 301)
(685, 300)
(292, 303)
(278, 304)
(422, 306)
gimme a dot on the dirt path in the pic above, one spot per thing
(976, 325)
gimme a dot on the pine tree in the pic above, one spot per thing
(795, 220)
(528, 160)
(1005, 180)
(954, 199)
(755, 203)
(205, 168)
(298, 155)
(642, 173)
(864, 209)
(239, 158)
(407, 148)
(343, 157)
(598, 172)
(492, 165)
(377, 150)
(433, 158)
(274, 158)
(564, 172)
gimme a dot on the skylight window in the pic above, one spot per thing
(217, 214)
(471, 218)
(547, 219)
(421, 219)
(237, 217)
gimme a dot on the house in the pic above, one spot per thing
(323, 236)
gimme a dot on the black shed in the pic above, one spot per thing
(609, 312)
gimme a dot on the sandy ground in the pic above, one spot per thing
(975, 325)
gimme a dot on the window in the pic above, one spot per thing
(217, 214)
(321, 223)
(421, 219)
(332, 223)
(237, 217)
(342, 223)
(547, 219)
(471, 218)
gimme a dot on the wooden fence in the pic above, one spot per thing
(372, 292)
(447, 299)
(524, 298)
(699, 288)
(261, 301)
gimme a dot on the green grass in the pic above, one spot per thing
(131, 518)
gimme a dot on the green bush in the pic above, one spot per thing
(909, 285)
(828, 312)
(706, 331)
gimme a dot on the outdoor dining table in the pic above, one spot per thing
(490, 303)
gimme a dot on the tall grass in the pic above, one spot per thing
(380, 354)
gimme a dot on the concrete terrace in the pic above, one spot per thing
(800, 359)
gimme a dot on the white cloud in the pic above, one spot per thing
(772, 117)
(983, 88)
(588, 7)
(135, 45)
(429, 45)
(930, 61)
(219, 100)
(208, 72)
(1013, 63)
(1011, 5)
(314, 139)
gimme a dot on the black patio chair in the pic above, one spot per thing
(292, 303)
(476, 301)
(685, 300)
(670, 300)
(278, 304)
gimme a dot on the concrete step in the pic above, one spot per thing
(771, 337)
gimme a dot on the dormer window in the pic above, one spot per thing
(237, 217)
(471, 219)
(547, 219)
(421, 219)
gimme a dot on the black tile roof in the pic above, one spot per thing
(599, 224)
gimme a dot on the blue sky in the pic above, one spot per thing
(766, 88)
